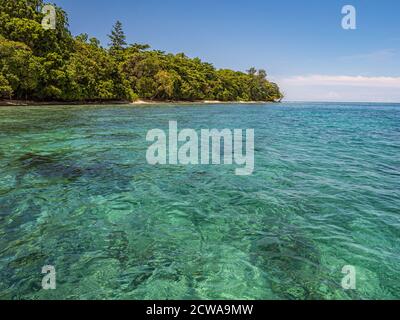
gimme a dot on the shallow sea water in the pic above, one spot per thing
(76, 192)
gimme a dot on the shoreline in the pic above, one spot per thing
(22, 103)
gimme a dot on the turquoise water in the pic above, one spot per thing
(76, 192)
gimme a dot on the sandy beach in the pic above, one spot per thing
(9, 103)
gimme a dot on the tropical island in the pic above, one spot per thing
(52, 66)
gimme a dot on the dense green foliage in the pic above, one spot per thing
(41, 64)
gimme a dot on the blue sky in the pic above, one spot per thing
(300, 43)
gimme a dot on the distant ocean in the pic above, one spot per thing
(77, 193)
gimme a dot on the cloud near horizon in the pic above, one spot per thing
(341, 88)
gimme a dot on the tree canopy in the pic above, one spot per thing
(117, 37)
(40, 64)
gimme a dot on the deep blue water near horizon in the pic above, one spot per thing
(76, 192)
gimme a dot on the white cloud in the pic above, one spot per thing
(355, 81)
(341, 88)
